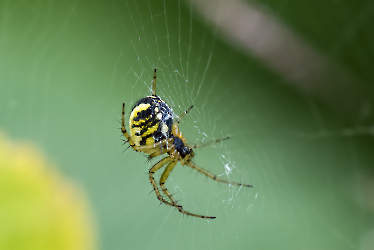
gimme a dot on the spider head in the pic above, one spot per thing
(191, 153)
(186, 151)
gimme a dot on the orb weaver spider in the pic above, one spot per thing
(153, 132)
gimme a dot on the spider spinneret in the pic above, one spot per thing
(154, 132)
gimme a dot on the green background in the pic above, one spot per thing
(66, 67)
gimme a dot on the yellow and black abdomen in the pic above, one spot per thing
(151, 121)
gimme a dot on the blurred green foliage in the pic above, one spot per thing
(39, 208)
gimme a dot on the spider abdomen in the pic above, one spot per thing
(151, 121)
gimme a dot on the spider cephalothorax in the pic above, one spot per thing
(181, 148)
(154, 132)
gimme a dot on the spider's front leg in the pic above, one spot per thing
(165, 176)
(153, 169)
(171, 161)
(174, 157)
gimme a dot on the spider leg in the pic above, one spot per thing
(156, 147)
(164, 177)
(153, 169)
(207, 143)
(184, 114)
(214, 177)
(174, 157)
(124, 131)
(154, 84)
(181, 117)
(155, 154)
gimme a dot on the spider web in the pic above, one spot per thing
(293, 91)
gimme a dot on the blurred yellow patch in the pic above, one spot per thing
(39, 208)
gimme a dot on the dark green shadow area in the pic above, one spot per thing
(67, 67)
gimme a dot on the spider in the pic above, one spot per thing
(154, 132)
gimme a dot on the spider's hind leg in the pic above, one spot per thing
(124, 131)
(155, 154)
